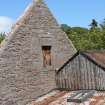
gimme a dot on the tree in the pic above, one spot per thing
(103, 25)
(94, 24)
(66, 28)
(2, 37)
(87, 39)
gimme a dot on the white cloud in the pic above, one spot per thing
(5, 24)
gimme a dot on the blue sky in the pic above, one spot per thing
(71, 12)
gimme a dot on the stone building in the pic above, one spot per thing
(35, 47)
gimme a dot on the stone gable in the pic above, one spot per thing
(22, 74)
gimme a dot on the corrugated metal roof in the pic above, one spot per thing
(60, 98)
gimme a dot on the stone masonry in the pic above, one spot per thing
(22, 75)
